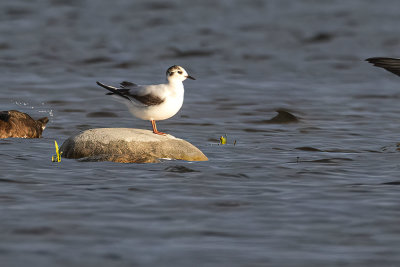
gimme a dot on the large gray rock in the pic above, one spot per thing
(128, 145)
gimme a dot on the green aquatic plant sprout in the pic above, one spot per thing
(222, 140)
(57, 157)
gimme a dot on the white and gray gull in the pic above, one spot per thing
(153, 102)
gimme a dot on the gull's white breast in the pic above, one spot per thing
(171, 105)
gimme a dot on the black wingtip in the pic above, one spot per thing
(113, 90)
(390, 64)
(382, 59)
(375, 59)
(106, 86)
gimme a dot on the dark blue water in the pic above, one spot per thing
(323, 191)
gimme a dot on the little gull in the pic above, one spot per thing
(153, 102)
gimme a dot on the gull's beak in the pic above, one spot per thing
(190, 77)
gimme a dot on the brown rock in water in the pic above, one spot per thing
(283, 117)
(127, 145)
(20, 125)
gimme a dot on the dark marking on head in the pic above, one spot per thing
(173, 69)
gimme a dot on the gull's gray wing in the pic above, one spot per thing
(128, 85)
(131, 92)
(389, 64)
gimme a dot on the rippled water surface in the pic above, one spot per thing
(321, 191)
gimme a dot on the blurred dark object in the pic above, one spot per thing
(17, 124)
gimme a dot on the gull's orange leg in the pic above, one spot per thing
(153, 123)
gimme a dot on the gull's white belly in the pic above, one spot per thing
(163, 111)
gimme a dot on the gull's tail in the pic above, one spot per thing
(113, 90)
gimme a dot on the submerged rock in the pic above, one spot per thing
(283, 117)
(16, 124)
(128, 145)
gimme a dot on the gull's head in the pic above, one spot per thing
(177, 73)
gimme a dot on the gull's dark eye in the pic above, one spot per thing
(180, 72)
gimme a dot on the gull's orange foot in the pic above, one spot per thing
(160, 133)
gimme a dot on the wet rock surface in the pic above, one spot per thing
(126, 145)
